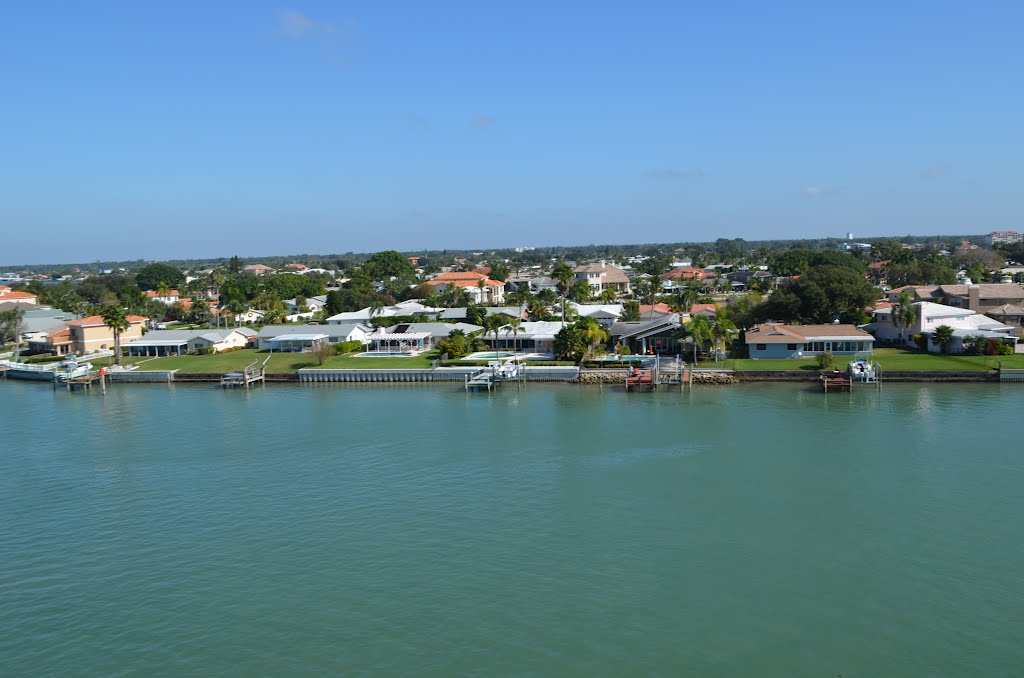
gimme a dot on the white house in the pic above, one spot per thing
(180, 342)
(929, 316)
(297, 337)
(403, 308)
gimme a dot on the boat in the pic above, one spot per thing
(68, 368)
(861, 370)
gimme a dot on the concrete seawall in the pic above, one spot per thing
(887, 376)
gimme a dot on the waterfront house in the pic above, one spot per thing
(980, 298)
(532, 337)
(928, 316)
(648, 336)
(603, 276)
(55, 340)
(92, 334)
(776, 340)
(304, 337)
(181, 342)
(433, 332)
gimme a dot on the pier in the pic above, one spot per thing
(254, 373)
(832, 382)
(493, 375)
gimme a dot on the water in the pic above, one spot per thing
(760, 530)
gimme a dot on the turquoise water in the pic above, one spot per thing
(488, 354)
(762, 530)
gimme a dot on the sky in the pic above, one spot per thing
(203, 129)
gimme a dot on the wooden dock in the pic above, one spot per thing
(832, 382)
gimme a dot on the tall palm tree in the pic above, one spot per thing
(513, 327)
(481, 285)
(563, 275)
(12, 327)
(492, 325)
(608, 296)
(116, 319)
(904, 313)
(943, 336)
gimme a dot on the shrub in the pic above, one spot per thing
(348, 346)
(975, 344)
(826, 361)
(323, 351)
(921, 341)
(42, 358)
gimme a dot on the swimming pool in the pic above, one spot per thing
(489, 355)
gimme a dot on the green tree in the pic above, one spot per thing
(592, 333)
(700, 333)
(580, 291)
(563, 275)
(821, 295)
(570, 344)
(492, 325)
(630, 311)
(11, 329)
(943, 337)
(456, 345)
(389, 264)
(151, 276)
(723, 329)
(514, 327)
(904, 313)
(234, 265)
(116, 319)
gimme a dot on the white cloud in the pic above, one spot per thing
(813, 191)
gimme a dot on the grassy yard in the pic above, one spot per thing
(891, 359)
(234, 361)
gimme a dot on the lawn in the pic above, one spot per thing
(233, 361)
(890, 359)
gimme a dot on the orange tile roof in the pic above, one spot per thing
(94, 320)
(16, 295)
(156, 293)
(697, 308)
(458, 275)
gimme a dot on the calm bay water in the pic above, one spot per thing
(755, 530)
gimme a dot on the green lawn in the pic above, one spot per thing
(891, 359)
(234, 361)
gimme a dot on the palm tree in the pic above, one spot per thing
(116, 319)
(376, 309)
(592, 333)
(580, 291)
(608, 296)
(904, 313)
(481, 285)
(513, 327)
(563, 275)
(722, 329)
(11, 326)
(699, 330)
(943, 336)
(492, 325)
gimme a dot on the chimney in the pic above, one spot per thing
(974, 298)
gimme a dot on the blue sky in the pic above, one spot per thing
(166, 130)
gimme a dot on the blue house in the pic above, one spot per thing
(775, 340)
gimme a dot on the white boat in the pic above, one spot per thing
(69, 368)
(861, 370)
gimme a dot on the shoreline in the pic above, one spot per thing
(583, 378)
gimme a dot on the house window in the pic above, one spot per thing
(790, 347)
(761, 347)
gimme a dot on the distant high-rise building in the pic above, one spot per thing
(1004, 238)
